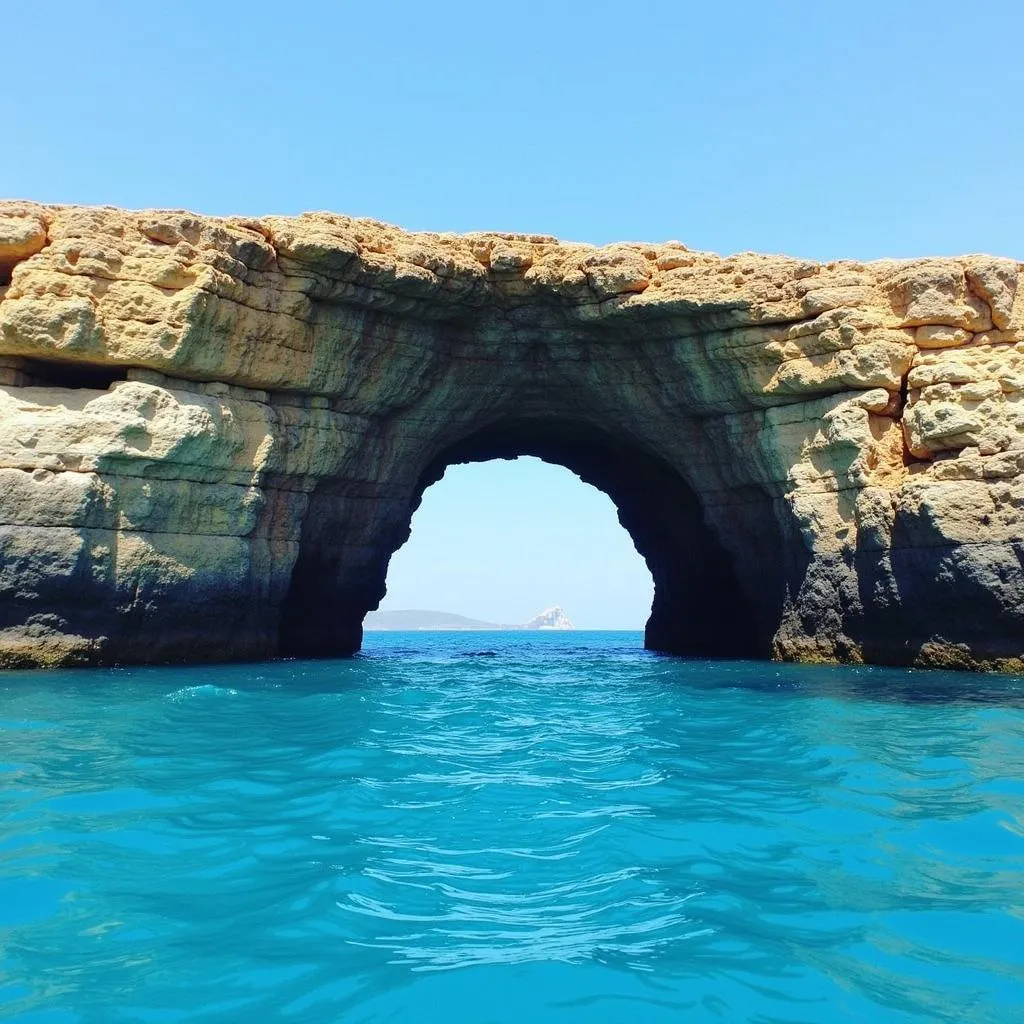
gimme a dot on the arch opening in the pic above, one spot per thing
(504, 542)
(699, 608)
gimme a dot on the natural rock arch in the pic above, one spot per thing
(699, 607)
(214, 431)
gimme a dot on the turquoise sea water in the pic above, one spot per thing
(506, 828)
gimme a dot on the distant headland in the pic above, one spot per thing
(420, 619)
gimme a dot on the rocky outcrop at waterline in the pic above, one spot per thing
(214, 432)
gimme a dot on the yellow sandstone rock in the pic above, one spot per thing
(214, 431)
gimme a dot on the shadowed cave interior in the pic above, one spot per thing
(698, 610)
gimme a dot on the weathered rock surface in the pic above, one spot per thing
(214, 431)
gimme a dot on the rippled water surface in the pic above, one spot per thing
(509, 828)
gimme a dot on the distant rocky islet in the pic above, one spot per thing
(415, 619)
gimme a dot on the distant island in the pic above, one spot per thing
(417, 619)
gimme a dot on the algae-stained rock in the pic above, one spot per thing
(214, 431)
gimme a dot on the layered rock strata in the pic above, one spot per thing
(214, 432)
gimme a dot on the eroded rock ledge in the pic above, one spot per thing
(214, 431)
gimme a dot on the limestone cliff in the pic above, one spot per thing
(214, 431)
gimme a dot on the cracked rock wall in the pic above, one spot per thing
(214, 431)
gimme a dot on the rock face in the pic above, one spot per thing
(214, 432)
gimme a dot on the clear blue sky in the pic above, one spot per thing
(504, 540)
(821, 130)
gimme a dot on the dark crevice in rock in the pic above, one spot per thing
(54, 373)
(901, 400)
(900, 406)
